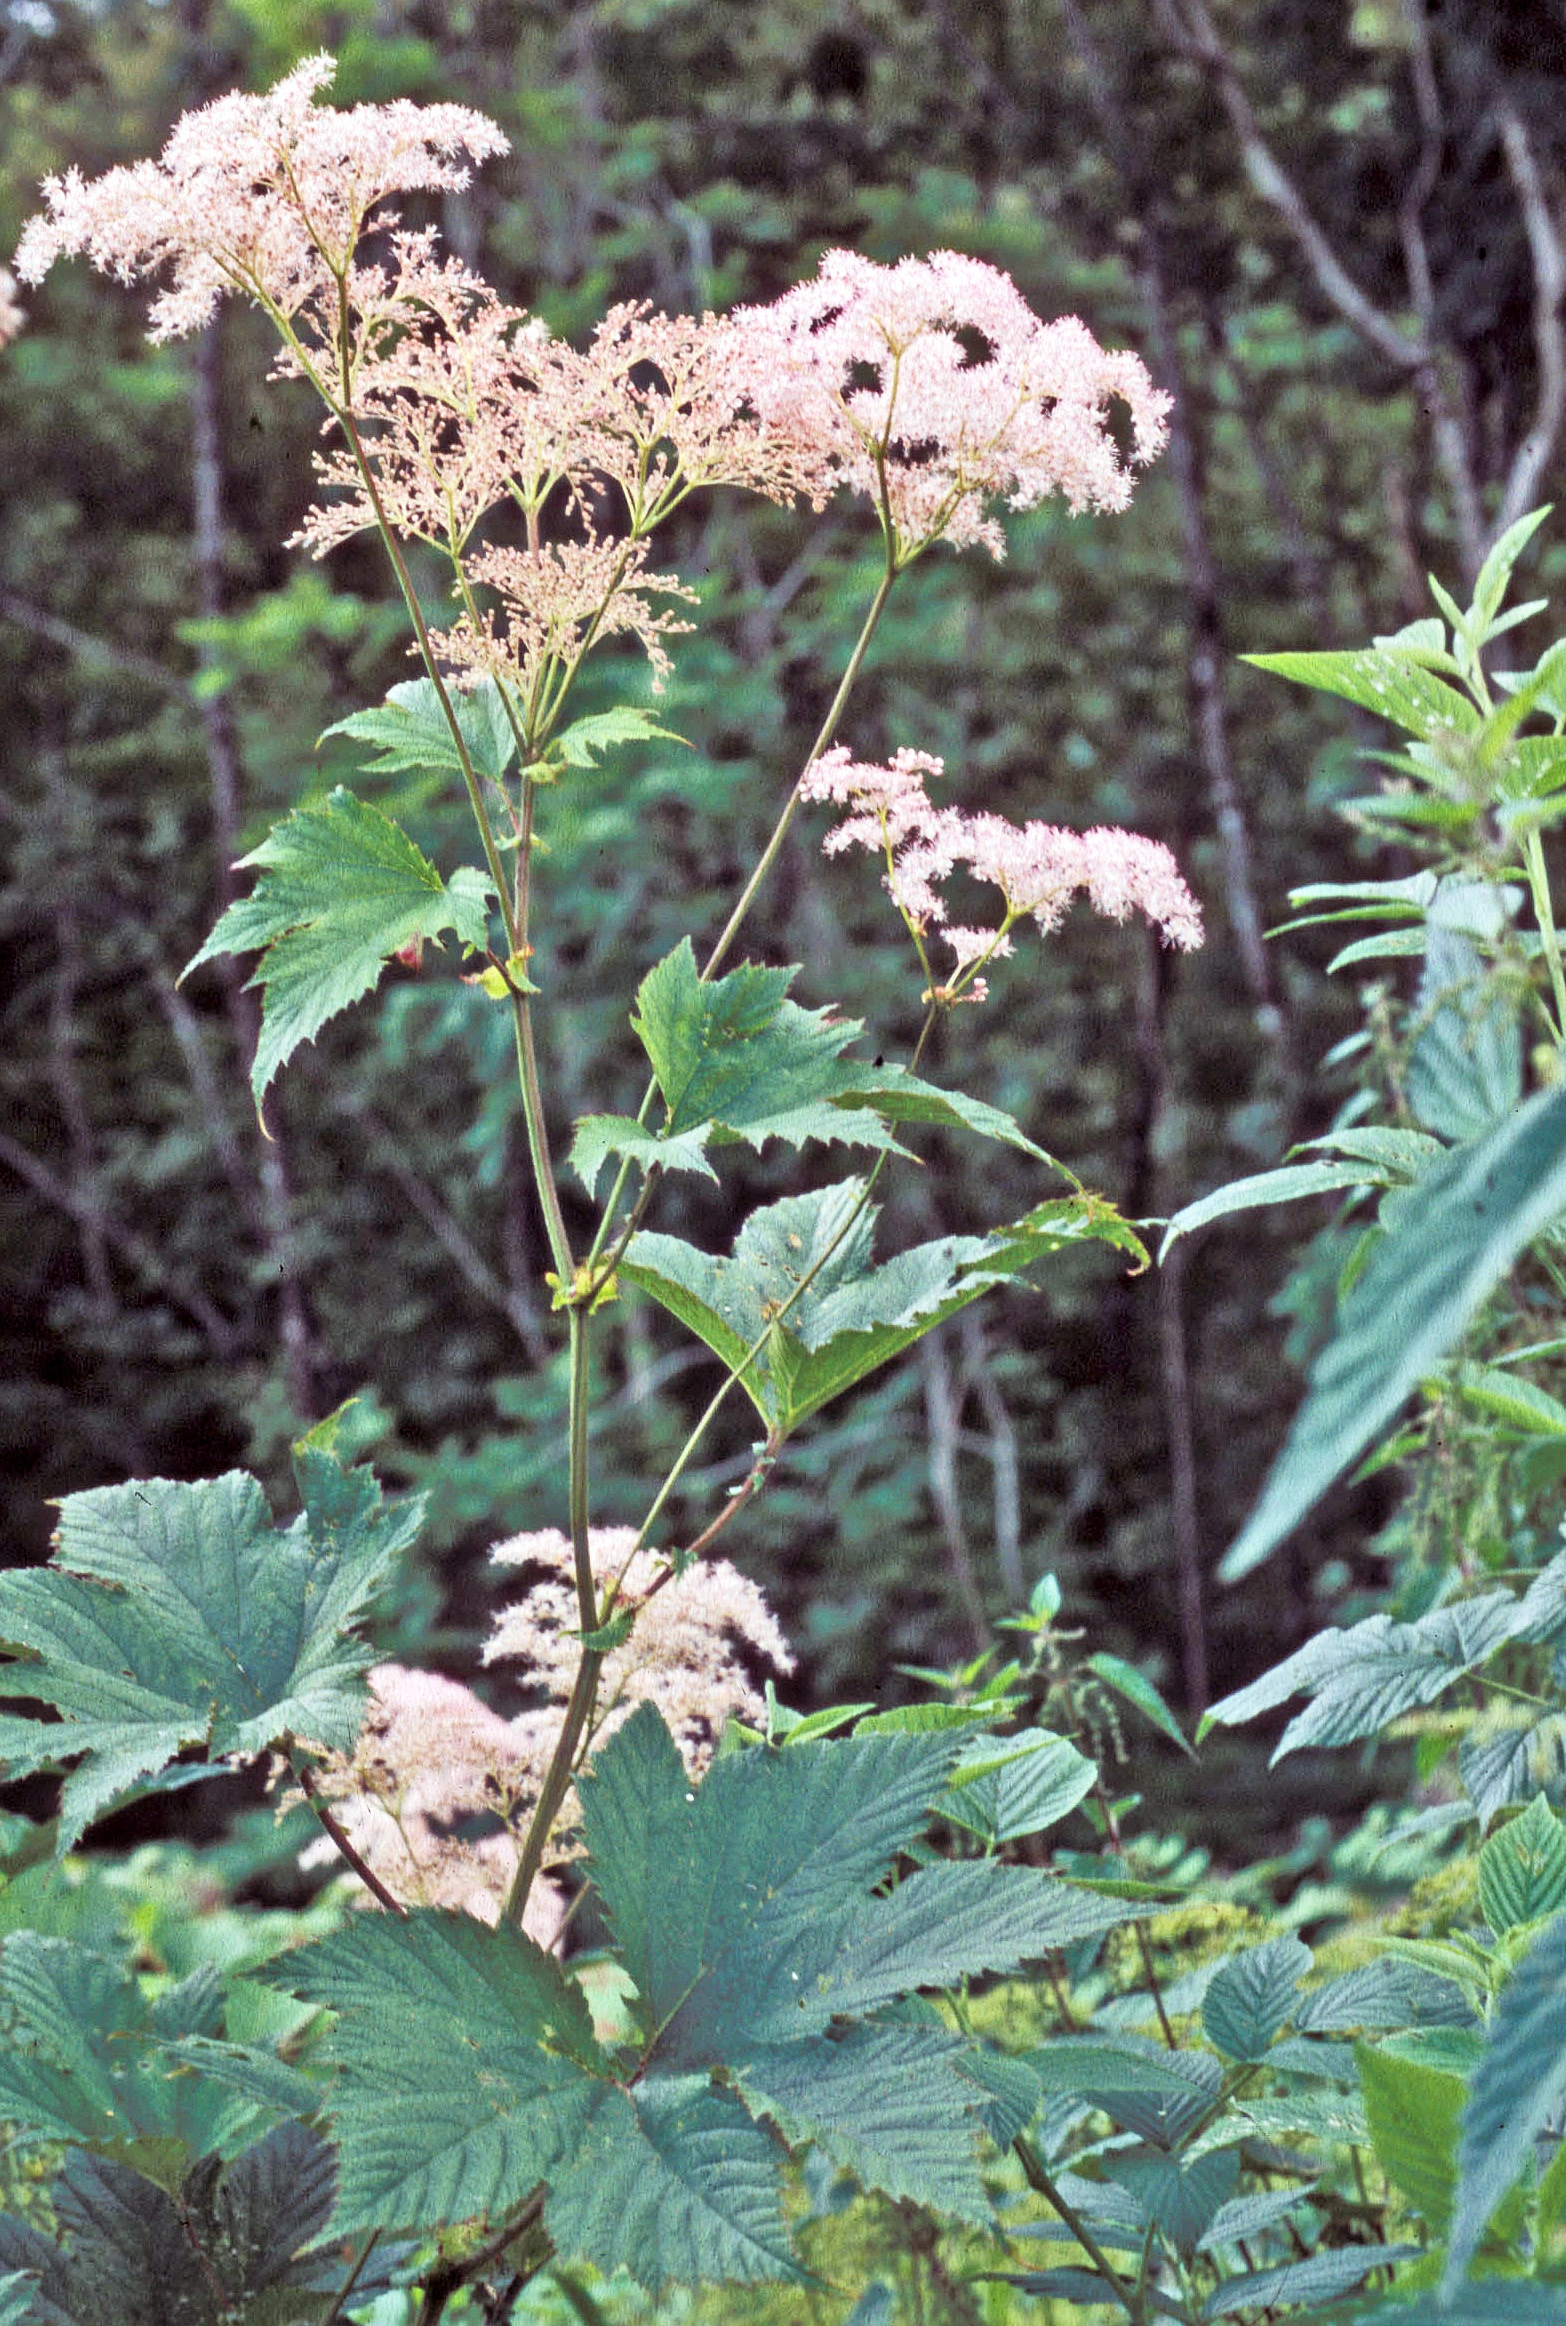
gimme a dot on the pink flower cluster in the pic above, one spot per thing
(933, 387)
(267, 195)
(12, 313)
(1037, 867)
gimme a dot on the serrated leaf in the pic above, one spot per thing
(1031, 1789)
(1289, 1183)
(342, 889)
(600, 1136)
(1393, 685)
(1251, 1995)
(673, 2181)
(466, 2065)
(1456, 1234)
(411, 734)
(1179, 2198)
(1382, 1994)
(1517, 2084)
(177, 1615)
(1335, 2117)
(1087, 2064)
(1245, 2217)
(1137, 1690)
(1363, 1677)
(585, 741)
(887, 2104)
(1506, 1760)
(16, 2297)
(1321, 2278)
(1522, 1869)
(1464, 1070)
(853, 1315)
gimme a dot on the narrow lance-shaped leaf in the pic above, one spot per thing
(342, 889)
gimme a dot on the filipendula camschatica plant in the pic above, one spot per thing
(768, 1948)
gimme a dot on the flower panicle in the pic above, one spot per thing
(1037, 867)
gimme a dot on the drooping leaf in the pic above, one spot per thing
(178, 1615)
(411, 734)
(1393, 685)
(1522, 1869)
(1412, 2111)
(1361, 1678)
(1252, 1995)
(888, 2104)
(1518, 2082)
(468, 2071)
(674, 2181)
(342, 889)
(1321, 2278)
(1503, 1762)
(851, 1315)
(1136, 1689)
(1456, 1235)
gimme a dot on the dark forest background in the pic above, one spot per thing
(1333, 232)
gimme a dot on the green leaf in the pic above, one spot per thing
(1288, 1184)
(853, 1316)
(1465, 1066)
(600, 1136)
(1321, 2278)
(1179, 2199)
(585, 741)
(1035, 1785)
(1492, 2302)
(1391, 684)
(1382, 1994)
(1517, 2084)
(1456, 1235)
(1362, 1678)
(1522, 1869)
(411, 734)
(1506, 1760)
(342, 889)
(888, 2104)
(1138, 1690)
(1398, 1155)
(178, 1615)
(1413, 2112)
(1491, 581)
(672, 2181)
(1250, 1997)
(1088, 2064)
(1512, 1400)
(468, 2071)
(1392, 945)
(16, 2297)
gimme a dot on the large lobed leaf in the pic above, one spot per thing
(852, 1315)
(1456, 1235)
(734, 1059)
(342, 889)
(178, 1615)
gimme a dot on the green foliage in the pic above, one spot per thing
(181, 1616)
(343, 888)
(802, 1284)
(410, 734)
(1517, 2083)
(1252, 1996)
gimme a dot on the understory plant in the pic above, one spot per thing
(659, 1983)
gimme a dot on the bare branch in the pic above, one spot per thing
(1549, 339)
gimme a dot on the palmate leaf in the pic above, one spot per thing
(734, 1059)
(1517, 2084)
(468, 2071)
(890, 2105)
(179, 1615)
(410, 733)
(1456, 1235)
(852, 1315)
(342, 889)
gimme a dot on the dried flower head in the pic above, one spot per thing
(932, 387)
(1037, 867)
(689, 1653)
(266, 195)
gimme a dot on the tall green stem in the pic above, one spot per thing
(1039, 2178)
(747, 898)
